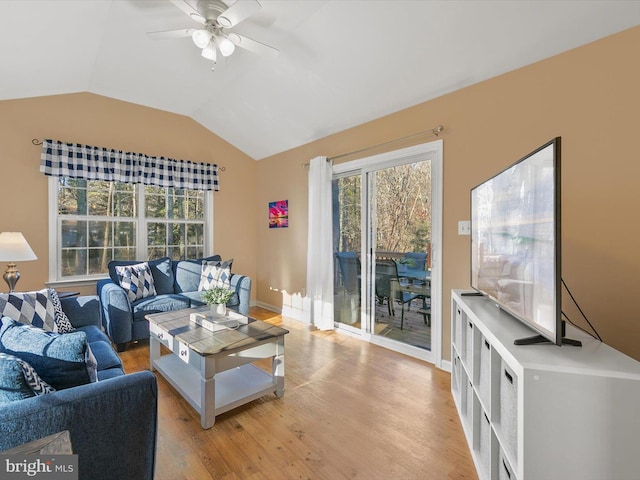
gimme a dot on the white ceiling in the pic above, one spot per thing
(341, 63)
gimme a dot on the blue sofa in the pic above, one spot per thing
(112, 422)
(176, 284)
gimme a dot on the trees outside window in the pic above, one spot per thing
(403, 209)
(98, 221)
(403, 203)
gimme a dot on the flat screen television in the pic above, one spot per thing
(515, 242)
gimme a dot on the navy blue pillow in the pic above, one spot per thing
(161, 269)
(60, 360)
(19, 380)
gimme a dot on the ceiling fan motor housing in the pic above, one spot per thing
(211, 9)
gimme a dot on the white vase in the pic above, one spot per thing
(221, 309)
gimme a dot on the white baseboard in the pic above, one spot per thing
(285, 311)
(266, 306)
(445, 365)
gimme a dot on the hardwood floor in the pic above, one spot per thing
(351, 410)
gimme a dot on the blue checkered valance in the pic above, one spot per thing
(73, 160)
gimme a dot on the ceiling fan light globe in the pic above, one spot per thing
(201, 38)
(225, 45)
(209, 52)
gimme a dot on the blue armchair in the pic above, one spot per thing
(176, 284)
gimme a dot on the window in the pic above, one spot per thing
(93, 222)
(175, 222)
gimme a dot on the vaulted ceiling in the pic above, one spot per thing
(341, 63)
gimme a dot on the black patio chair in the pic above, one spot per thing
(388, 287)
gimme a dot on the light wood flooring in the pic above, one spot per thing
(351, 410)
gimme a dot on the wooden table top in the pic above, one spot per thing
(205, 342)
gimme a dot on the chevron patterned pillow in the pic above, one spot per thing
(61, 319)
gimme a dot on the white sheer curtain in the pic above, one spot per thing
(320, 245)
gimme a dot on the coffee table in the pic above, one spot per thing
(214, 370)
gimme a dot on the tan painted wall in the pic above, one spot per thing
(95, 120)
(589, 96)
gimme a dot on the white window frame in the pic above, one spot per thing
(55, 278)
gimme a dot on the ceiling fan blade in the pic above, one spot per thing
(238, 12)
(189, 10)
(252, 45)
(167, 34)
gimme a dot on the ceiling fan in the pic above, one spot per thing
(216, 18)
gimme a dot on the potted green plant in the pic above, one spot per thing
(217, 297)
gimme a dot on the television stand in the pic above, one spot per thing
(525, 411)
(537, 339)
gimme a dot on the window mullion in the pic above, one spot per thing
(208, 222)
(54, 231)
(141, 223)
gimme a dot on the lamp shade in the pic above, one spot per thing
(14, 248)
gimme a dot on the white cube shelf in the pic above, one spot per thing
(542, 411)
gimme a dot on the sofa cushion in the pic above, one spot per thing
(19, 380)
(195, 298)
(60, 318)
(187, 273)
(61, 360)
(161, 269)
(94, 334)
(215, 274)
(32, 308)
(105, 355)
(110, 373)
(136, 280)
(159, 303)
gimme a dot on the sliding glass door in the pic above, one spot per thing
(386, 230)
(401, 229)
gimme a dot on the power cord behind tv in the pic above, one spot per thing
(597, 335)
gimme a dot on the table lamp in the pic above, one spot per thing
(14, 248)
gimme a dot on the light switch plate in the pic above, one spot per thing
(464, 227)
